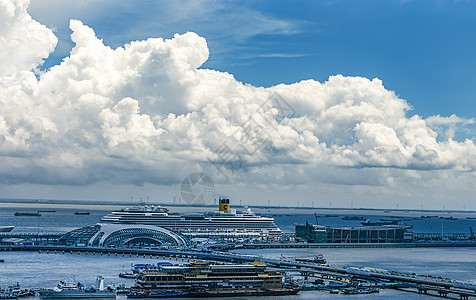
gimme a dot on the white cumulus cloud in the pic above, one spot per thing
(147, 113)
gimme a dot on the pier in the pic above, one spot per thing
(31, 235)
(51, 237)
(363, 245)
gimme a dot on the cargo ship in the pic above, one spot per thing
(226, 222)
(27, 214)
(370, 223)
(200, 279)
(353, 218)
(82, 213)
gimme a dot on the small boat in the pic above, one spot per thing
(449, 218)
(28, 214)
(126, 274)
(14, 291)
(316, 259)
(122, 289)
(73, 290)
(81, 213)
(47, 210)
(356, 291)
(7, 295)
(6, 228)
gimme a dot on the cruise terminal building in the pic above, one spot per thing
(374, 234)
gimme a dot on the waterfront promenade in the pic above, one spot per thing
(45, 238)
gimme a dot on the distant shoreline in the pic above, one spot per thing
(113, 205)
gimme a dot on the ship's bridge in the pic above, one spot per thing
(115, 235)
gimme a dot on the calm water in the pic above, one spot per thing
(430, 225)
(33, 269)
(64, 220)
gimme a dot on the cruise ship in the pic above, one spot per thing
(221, 224)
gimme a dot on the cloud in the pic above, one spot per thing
(221, 22)
(146, 112)
(447, 126)
(19, 34)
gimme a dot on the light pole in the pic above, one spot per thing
(38, 234)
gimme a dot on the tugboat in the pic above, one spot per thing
(72, 290)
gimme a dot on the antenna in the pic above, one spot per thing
(315, 215)
(441, 230)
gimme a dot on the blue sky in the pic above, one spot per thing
(382, 94)
(423, 50)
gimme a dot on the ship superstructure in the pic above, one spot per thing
(201, 279)
(224, 223)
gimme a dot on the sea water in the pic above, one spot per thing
(33, 269)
